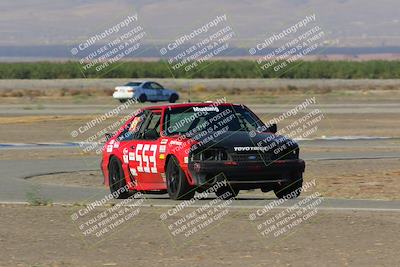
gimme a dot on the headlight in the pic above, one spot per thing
(297, 152)
(292, 154)
(209, 154)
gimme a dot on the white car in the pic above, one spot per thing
(145, 91)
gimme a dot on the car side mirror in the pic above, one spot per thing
(150, 134)
(273, 128)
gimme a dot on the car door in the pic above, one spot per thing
(149, 91)
(127, 140)
(144, 162)
(160, 93)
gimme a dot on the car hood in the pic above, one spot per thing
(246, 142)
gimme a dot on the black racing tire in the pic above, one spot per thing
(173, 98)
(117, 179)
(123, 100)
(142, 98)
(177, 184)
(289, 190)
(222, 192)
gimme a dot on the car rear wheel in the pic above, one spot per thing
(142, 98)
(173, 98)
(117, 179)
(289, 190)
(227, 192)
(177, 185)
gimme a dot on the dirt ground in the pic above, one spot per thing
(46, 236)
(43, 153)
(58, 128)
(35, 93)
(356, 179)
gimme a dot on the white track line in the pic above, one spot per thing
(199, 206)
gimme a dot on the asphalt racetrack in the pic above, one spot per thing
(73, 109)
(16, 173)
(352, 162)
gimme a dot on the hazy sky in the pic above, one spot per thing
(351, 22)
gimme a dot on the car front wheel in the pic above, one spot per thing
(177, 184)
(117, 181)
(142, 98)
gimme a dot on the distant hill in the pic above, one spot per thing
(352, 23)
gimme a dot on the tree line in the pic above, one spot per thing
(374, 69)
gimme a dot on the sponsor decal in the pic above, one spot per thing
(174, 142)
(138, 157)
(131, 155)
(133, 171)
(162, 148)
(145, 155)
(125, 155)
(206, 109)
(248, 148)
(116, 145)
(164, 141)
(109, 148)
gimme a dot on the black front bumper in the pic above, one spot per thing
(246, 172)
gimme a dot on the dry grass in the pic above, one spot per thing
(56, 92)
(356, 179)
(105, 87)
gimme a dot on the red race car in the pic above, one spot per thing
(183, 148)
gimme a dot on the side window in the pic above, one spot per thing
(156, 86)
(147, 86)
(155, 122)
(244, 124)
(151, 129)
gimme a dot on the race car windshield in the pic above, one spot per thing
(133, 84)
(193, 120)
